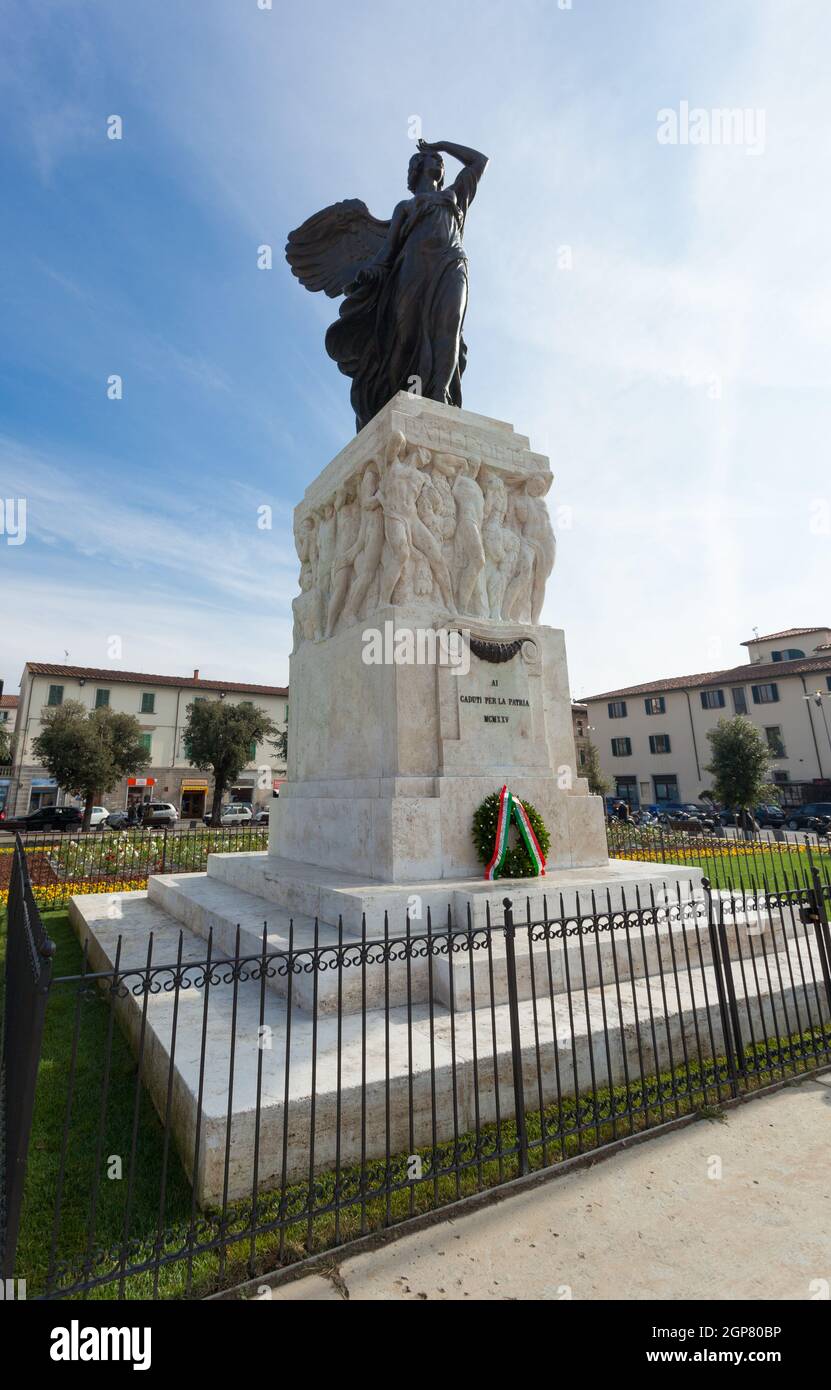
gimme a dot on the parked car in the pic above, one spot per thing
(117, 820)
(689, 816)
(734, 817)
(803, 817)
(260, 817)
(235, 813)
(159, 813)
(99, 817)
(46, 818)
(770, 817)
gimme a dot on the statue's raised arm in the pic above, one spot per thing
(405, 282)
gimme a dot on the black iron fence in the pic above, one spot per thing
(28, 975)
(201, 1117)
(61, 865)
(730, 859)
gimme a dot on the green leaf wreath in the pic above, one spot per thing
(517, 859)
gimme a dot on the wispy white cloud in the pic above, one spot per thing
(160, 632)
(218, 547)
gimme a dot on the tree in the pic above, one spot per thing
(218, 738)
(89, 751)
(5, 745)
(740, 765)
(592, 771)
(281, 744)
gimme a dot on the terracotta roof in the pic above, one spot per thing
(93, 673)
(9, 701)
(754, 671)
(788, 632)
(578, 707)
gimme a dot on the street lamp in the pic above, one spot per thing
(818, 696)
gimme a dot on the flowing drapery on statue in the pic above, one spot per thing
(405, 282)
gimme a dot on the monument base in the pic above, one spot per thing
(383, 1048)
(389, 760)
(421, 678)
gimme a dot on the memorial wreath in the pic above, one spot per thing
(491, 826)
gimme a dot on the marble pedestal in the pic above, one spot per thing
(395, 737)
(387, 763)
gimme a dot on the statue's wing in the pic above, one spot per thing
(329, 249)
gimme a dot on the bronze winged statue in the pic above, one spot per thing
(405, 282)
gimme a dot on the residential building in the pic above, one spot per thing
(580, 724)
(160, 705)
(652, 738)
(8, 714)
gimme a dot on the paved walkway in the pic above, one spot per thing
(651, 1222)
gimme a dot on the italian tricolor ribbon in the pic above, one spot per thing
(510, 805)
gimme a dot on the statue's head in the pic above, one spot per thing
(538, 484)
(369, 483)
(425, 162)
(396, 444)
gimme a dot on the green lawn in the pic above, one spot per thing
(731, 865)
(576, 1125)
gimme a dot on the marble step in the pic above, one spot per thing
(332, 895)
(331, 1089)
(364, 980)
(565, 956)
(380, 974)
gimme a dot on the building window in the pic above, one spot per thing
(659, 743)
(55, 695)
(621, 747)
(789, 654)
(102, 699)
(581, 757)
(579, 728)
(780, 775)
(627, 789)
(765, 694)
(148, 703)
(739, 699)
(252, 752)
(147, 743)
(666, 788)
(712, 699)
(828, 682)
(776, 743)
(617, 709)
(655, 704)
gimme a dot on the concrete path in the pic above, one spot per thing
(654, 1222)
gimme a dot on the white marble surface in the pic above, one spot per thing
(431, 521)
(364, 1071)
(387, 763)
(427, 504)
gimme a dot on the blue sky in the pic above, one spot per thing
(677, 374)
